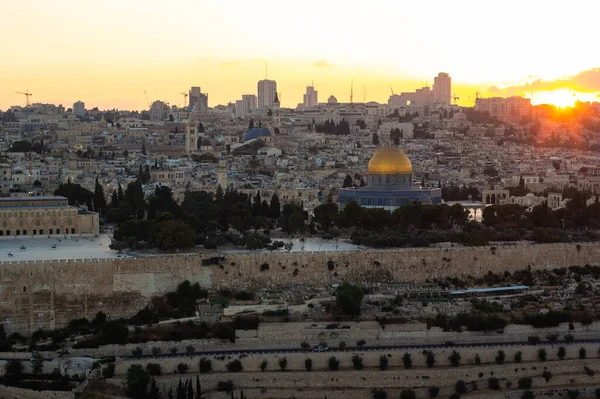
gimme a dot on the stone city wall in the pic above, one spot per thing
(48, 294)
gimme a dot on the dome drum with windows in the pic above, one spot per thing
(390, 183)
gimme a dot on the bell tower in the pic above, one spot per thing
(191, 135)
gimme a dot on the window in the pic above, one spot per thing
(34, 232)
(72, 231)
(24, 289)
(7, 232)
(24, 232)
(18, 232)
(69, 222)
(50, 231)
(41, 231)
(37, 222)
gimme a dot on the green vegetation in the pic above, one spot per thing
(349, 298)
(333, 363)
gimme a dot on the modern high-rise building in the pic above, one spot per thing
(79, 108)
(311, 97)
(511, 107)
(442, 89)
(197, 100)
(246, 105)
(267, 93)
(194, 97)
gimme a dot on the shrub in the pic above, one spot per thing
(525, 383)
(408, 394)
(156, 350)
(342, 344)
(108, 371)
(263, 365)
(434, 391)
(454, 359)
(547, 375)
(500, 357)
(235, 366)
(494, 383)
(173, 349)
(518, 357)
(477, 359)
(460, 387)
(205, 365)
(561, 353)
(333, 363)
(182, 368)
(407, 360)
(552, 337)
(308, 364)
(383, 362)
(454, 396)
(137, 380)
(153, 369)
(360, 343)
(357, 362)
(190, 349)
(542, 355)
(572, 393)
(283, 364)
(582, 353)
(305, 345)
(225, 386)
(137, 351)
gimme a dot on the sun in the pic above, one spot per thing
(560, 98)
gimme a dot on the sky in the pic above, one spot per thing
(108, 52)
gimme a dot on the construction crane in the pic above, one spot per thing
(392, 90)
(351, 91)
(147, 100)
(26, 94)
(185, 96)
(455, 98)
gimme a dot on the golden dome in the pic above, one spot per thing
(389, 161)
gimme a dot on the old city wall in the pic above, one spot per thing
(48, 294)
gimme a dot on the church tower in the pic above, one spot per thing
(191, 136)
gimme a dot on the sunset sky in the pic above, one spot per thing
(106, 53)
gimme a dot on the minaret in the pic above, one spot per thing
(222, 174)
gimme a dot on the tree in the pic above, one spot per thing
(283, 363)
(547, 375)
(333, 363)
(383, 362)
(582, 353)
(542, 355)
(174, 234)
(308, 364)
(326, 215)
(108, 371)
(561, 353)
(200, 127)
(137, 380)
(205, 365)
(153, 392)
(408, 394)
(37, 363)
(349, 299)
(13, 368)
(460, 387)
(274, 207)
(494, 383)
(347, 181)
(407, 360)
(235, 366)
(153, 369)
(379, 394)
(518, 357)
(434, 391)
(528, 395)
(357, 362)
(500, 357)
(375, 139)
(360, 343)
(429, 358)
(525, 383)
(454, 359)
(251, 124)
(263, 365)
(135, 199)
(477, 359)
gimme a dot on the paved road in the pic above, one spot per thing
(231, 352)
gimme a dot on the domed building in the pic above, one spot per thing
(258, 133)
(390, 183)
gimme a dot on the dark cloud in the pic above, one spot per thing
(586, 81)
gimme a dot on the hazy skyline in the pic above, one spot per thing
(107, 53)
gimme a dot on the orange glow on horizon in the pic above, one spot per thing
(560, 98)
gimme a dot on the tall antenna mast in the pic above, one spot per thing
(266, 69)
(351, 91)
(365, 94)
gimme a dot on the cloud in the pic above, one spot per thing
(322, 64)
(586, 82)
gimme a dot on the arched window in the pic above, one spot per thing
(53, 222)
(69, 222)
(37, 222)
(4, 224)
(21, 223)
